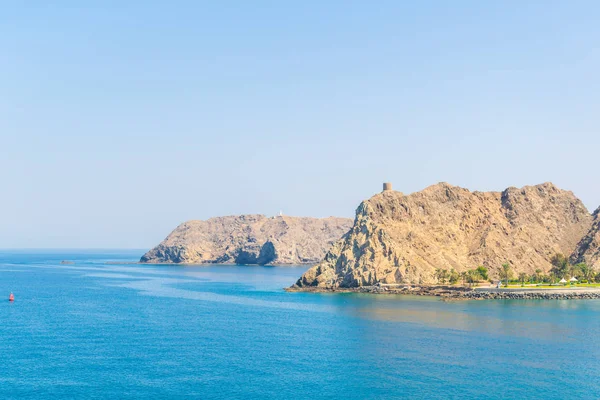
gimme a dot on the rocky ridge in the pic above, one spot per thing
(399, 238)
(250, 239)
(588, 249)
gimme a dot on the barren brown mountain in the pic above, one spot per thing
(588, 249)
(250, 239)
(403, 239)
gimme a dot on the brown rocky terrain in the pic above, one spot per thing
(588, 249)
(400, 238)
(250, 239)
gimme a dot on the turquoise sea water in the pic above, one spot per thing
(97, 330)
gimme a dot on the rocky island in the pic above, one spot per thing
(402, 239)
(250, 239)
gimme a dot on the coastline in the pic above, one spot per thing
(465, 293)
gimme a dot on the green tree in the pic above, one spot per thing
(464, 276)
(522, 278)
(538, 275)
(483, 272)
(453, 276)
(506, 272)
(473, 276)
(574, 271)
(441, 275)
(586, 271)
(560, 265)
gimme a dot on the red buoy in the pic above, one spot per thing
(11, 297)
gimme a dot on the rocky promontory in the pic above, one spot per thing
(399, 238)
(250, 239)
(588, 249)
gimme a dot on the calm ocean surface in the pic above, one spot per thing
(97, 330)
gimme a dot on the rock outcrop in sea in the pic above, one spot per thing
(250, 239)
(588, 249)
(399, 238)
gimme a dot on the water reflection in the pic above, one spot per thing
(448, 318)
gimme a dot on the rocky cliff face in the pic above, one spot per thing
(250, 239)
(588, 249)
(403, 239)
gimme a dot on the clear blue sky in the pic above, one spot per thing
(121, 119)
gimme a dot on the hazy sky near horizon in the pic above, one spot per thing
(120, 120)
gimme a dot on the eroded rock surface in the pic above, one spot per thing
(403, 239)
(588, 249)
(250, 239)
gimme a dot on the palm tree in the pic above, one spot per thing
(587, 272)
(522, 278)
(538, 275)
(506, 272)
(574, 270)
(463, 276)
(441, 275)
(473, 276)
(453, 276)
(560, 265)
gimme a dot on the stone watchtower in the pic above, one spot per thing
(387, 186)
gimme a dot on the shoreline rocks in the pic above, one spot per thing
(464, 293)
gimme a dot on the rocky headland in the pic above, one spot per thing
(399, 238)
(250, 239)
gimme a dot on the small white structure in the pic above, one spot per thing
(563, 280)
(573, 279)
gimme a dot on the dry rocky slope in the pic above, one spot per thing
(403, 239)
(588, 249)
(250, 239)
